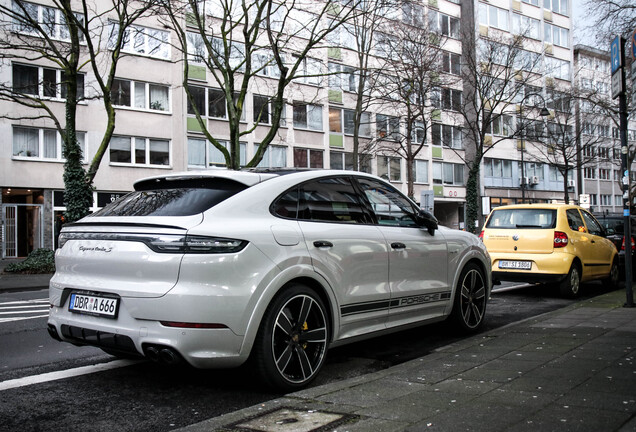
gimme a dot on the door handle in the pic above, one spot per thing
(323, 244)
(398, 245)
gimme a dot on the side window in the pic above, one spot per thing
(287, 205)
(331, 200)
(593, 226)
(574, 220)
(389, 205)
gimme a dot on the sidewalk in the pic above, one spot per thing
(568, 370)
(21, 282)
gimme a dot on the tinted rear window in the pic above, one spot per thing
(173, 198)
(522, 218)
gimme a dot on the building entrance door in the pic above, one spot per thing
(22, 230)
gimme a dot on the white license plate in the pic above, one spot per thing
(94, 305)
(515, 265)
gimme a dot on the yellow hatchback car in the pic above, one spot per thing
(549, 243)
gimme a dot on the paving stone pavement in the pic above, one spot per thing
(569, 370)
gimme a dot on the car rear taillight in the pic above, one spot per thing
(481, 235)
(560, 239)
(633, 244)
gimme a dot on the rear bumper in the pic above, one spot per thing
(546, 268)
(527, 277)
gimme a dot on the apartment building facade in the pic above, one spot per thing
(157, 132)
(601, 176)
(517, 170)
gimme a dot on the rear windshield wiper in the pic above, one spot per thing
(528, 226)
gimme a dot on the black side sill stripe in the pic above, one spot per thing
(595, 264)
(399, 302)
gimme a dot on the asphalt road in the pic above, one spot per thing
(149, 397)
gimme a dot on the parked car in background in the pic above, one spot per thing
(549, 243)
(614, 226)
(220, 267)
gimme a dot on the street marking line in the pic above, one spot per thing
(3, 320)
(25, 302)
(70, 373)
(24, 311)
(23, 307)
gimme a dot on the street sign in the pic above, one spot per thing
(617, 85)
(615, 49)
(584, 200)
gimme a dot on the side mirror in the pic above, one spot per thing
(610, 231)
(427, 220)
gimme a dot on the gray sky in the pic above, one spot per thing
(580, 23)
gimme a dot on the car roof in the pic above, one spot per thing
(551, 206)
(249, 177)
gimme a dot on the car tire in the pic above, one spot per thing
(291, 344)
(612, 280)
(469, 306)
(571, 285)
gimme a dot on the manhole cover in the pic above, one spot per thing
(291, 420)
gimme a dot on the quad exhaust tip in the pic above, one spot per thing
(163, 355)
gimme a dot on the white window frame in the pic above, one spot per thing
(311, 111)
(139, 40)
(42, 134)
(148, 105)
(492, 16)
(59, 86)
(57, 28)
(133, 142)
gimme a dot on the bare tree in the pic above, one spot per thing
(498, 74)
(250, 46)
(409, 86)
(75, 38)
(611, 18)
(565, 146)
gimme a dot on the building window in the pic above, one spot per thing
(387, 127)
(389, 168)
(532, 2)
(606, 200)
(307, 116)
(307, 158)
(499, 168)
(264, 64)
(263, 111)
(365, 123)
(501, 125)
(342, 77)
(310, 71)
(448, 173)
(526, 26)
(420, 170)
(274, 157)
(43, 82)
(556, 35)
(451, 63)
(589, 173)
(446, 136)
(446, 98)
(139, 151)
(558, 6)
(135, 94)
(344, 161)
(604, 173)
(443, 24)
(557, 68)
(51, 20)
(143, 41)
(42, 144)
(618, 200)
(210, 102)
(202, 156)
(493, 16)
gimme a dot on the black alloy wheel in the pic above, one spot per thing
(469, 306)
(292, 342)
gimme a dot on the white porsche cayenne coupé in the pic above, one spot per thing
(220, 267)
